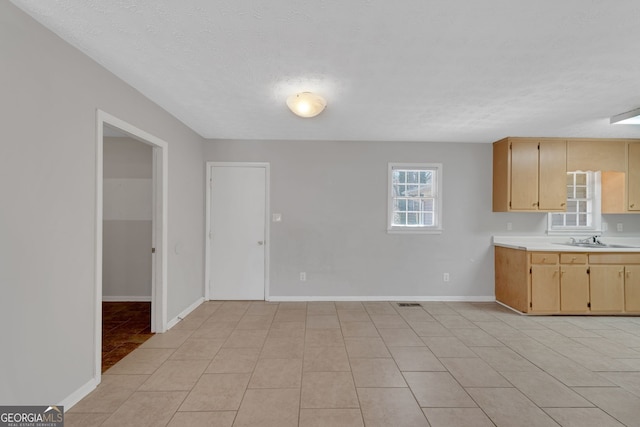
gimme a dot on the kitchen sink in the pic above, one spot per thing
(595, 245)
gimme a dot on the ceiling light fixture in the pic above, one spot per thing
(629, 118)
(306, 104)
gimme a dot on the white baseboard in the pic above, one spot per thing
(125, 299)
(481, 298)
(75, 397)
(173, 322)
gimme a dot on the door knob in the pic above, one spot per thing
(260, 242)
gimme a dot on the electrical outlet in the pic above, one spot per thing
(303, 277)
(509, 226)
(445, 277)
(619, 226)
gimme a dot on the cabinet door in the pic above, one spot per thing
(632, 288)
(634, 176)
(524, 175)
(552, 176)
(545, 288)
(574, 289)
(607, 288)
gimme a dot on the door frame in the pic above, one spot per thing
(159, 227)
(208, 231)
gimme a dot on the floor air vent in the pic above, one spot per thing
(409, 304)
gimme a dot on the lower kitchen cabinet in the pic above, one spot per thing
(568, 283)
(607, 288)
(574, 289)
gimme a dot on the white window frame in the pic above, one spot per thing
(417, 229)
(595, 187)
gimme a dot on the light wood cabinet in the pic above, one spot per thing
(529, 175)
(633, 184)
(568, 282)
(632, 288)
(607, 288)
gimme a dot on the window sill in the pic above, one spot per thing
(416, 230)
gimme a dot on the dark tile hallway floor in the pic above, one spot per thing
(125, 325)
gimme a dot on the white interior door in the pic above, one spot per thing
(238, 209)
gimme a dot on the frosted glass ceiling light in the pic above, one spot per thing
(629, 118)
(306, 104)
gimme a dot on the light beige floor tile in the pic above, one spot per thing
(328, 390)
(503, 359)
(430, 329)
(448, 347)
(545, 391)
(326, 359)
(457, 417)
(388, 321)
(582, 417)
(577, 376)
(362, 347)
(216, 392)
(84, 419)
(416, 359)
(322, 321)
(262, 308)
(198, 348)
(475, 337)
(353, 316)
(277, 373)
(253, 322)
(152, 408)
(358, 329)
(203, 419)
(283, 348)
(499, 329)
(401, 338)
(175, 375)
(324, 337)
(287, 329)
(384, 407)
(609, 348)
(214, 330)
(436, 307)
(269, 408)
(234, 361)
(349, 305)
(452, 321)
(290, 316)
(617, 402)
(376, 373)
(321, 307)
(141, 361)
(438, 390)
(380, 307)
(474, 373)
(507, 407)
(112, 392)
(292, 305)
(246, 339)
(630, 381)
(416, 315)
(331, 418)
(632, 363)
(173, 338)
(191, 323)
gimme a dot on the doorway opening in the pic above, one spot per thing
(131, 238)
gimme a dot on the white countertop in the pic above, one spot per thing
(555, 244)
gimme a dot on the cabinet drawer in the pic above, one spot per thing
(544, 258)
(573, 258)
(627, 258)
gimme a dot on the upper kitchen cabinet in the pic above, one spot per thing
(529, 175)
(634, 176)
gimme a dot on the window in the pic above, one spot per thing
(415, 197)
(583, 205)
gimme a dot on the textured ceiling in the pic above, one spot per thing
(406, 70)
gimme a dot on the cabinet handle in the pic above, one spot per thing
(573, 259)
(633, 204)
(620, 272)
(562, 204)
(535, 203)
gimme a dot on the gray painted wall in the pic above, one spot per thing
(47, 220)
(126, 241)
(333, 200)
